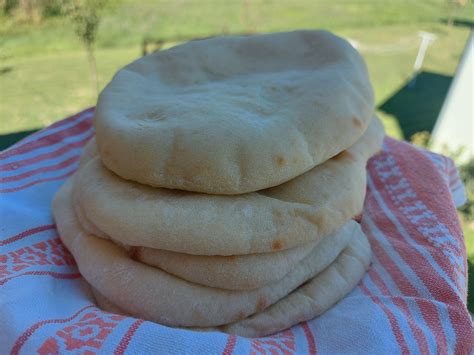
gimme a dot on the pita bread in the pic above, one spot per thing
(151, 293)
(240, 272)
(235, 272)
(306, 302)
(88, 152)
(314, 297)
(105, 304)
(234, 114)
(298, 212)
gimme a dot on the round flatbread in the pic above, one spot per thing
(235, 114)
(105, 304)
(150, 293)
(234, 272)
(314, 297)
(306, 302)
(298, 212)
(88, 152)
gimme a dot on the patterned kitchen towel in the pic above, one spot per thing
(413, 298)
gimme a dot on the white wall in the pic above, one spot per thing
(455, 124)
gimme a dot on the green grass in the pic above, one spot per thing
(127, 22)
(469, 239)
(44, 74)
(45, 88)
(39, 89)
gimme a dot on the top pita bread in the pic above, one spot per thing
(231, 115)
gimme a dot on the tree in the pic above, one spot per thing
(85, 15)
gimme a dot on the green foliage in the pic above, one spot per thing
(466, 172)
(55, 8)
(85, 15)
(34, 11)
(420, 139)
(467, 176)
(8, 6)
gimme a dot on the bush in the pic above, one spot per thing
(8, 6)
(467, 176)
(33, 11)
(466, 172)
(54, 8)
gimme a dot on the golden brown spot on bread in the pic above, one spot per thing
(357, 122)
(280, 160)
(230, 257)
(104, 151)
(241, 315)
(277, 245)
(344, 155)
(350, 156)
(134, 253)
(261, 304)
(341, 155)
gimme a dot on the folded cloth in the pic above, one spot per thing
(413, 297)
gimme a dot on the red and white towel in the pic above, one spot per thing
(412, 300)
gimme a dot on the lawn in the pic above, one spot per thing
(44, 74)
(43, 88)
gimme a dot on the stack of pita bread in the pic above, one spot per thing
(221, 188)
